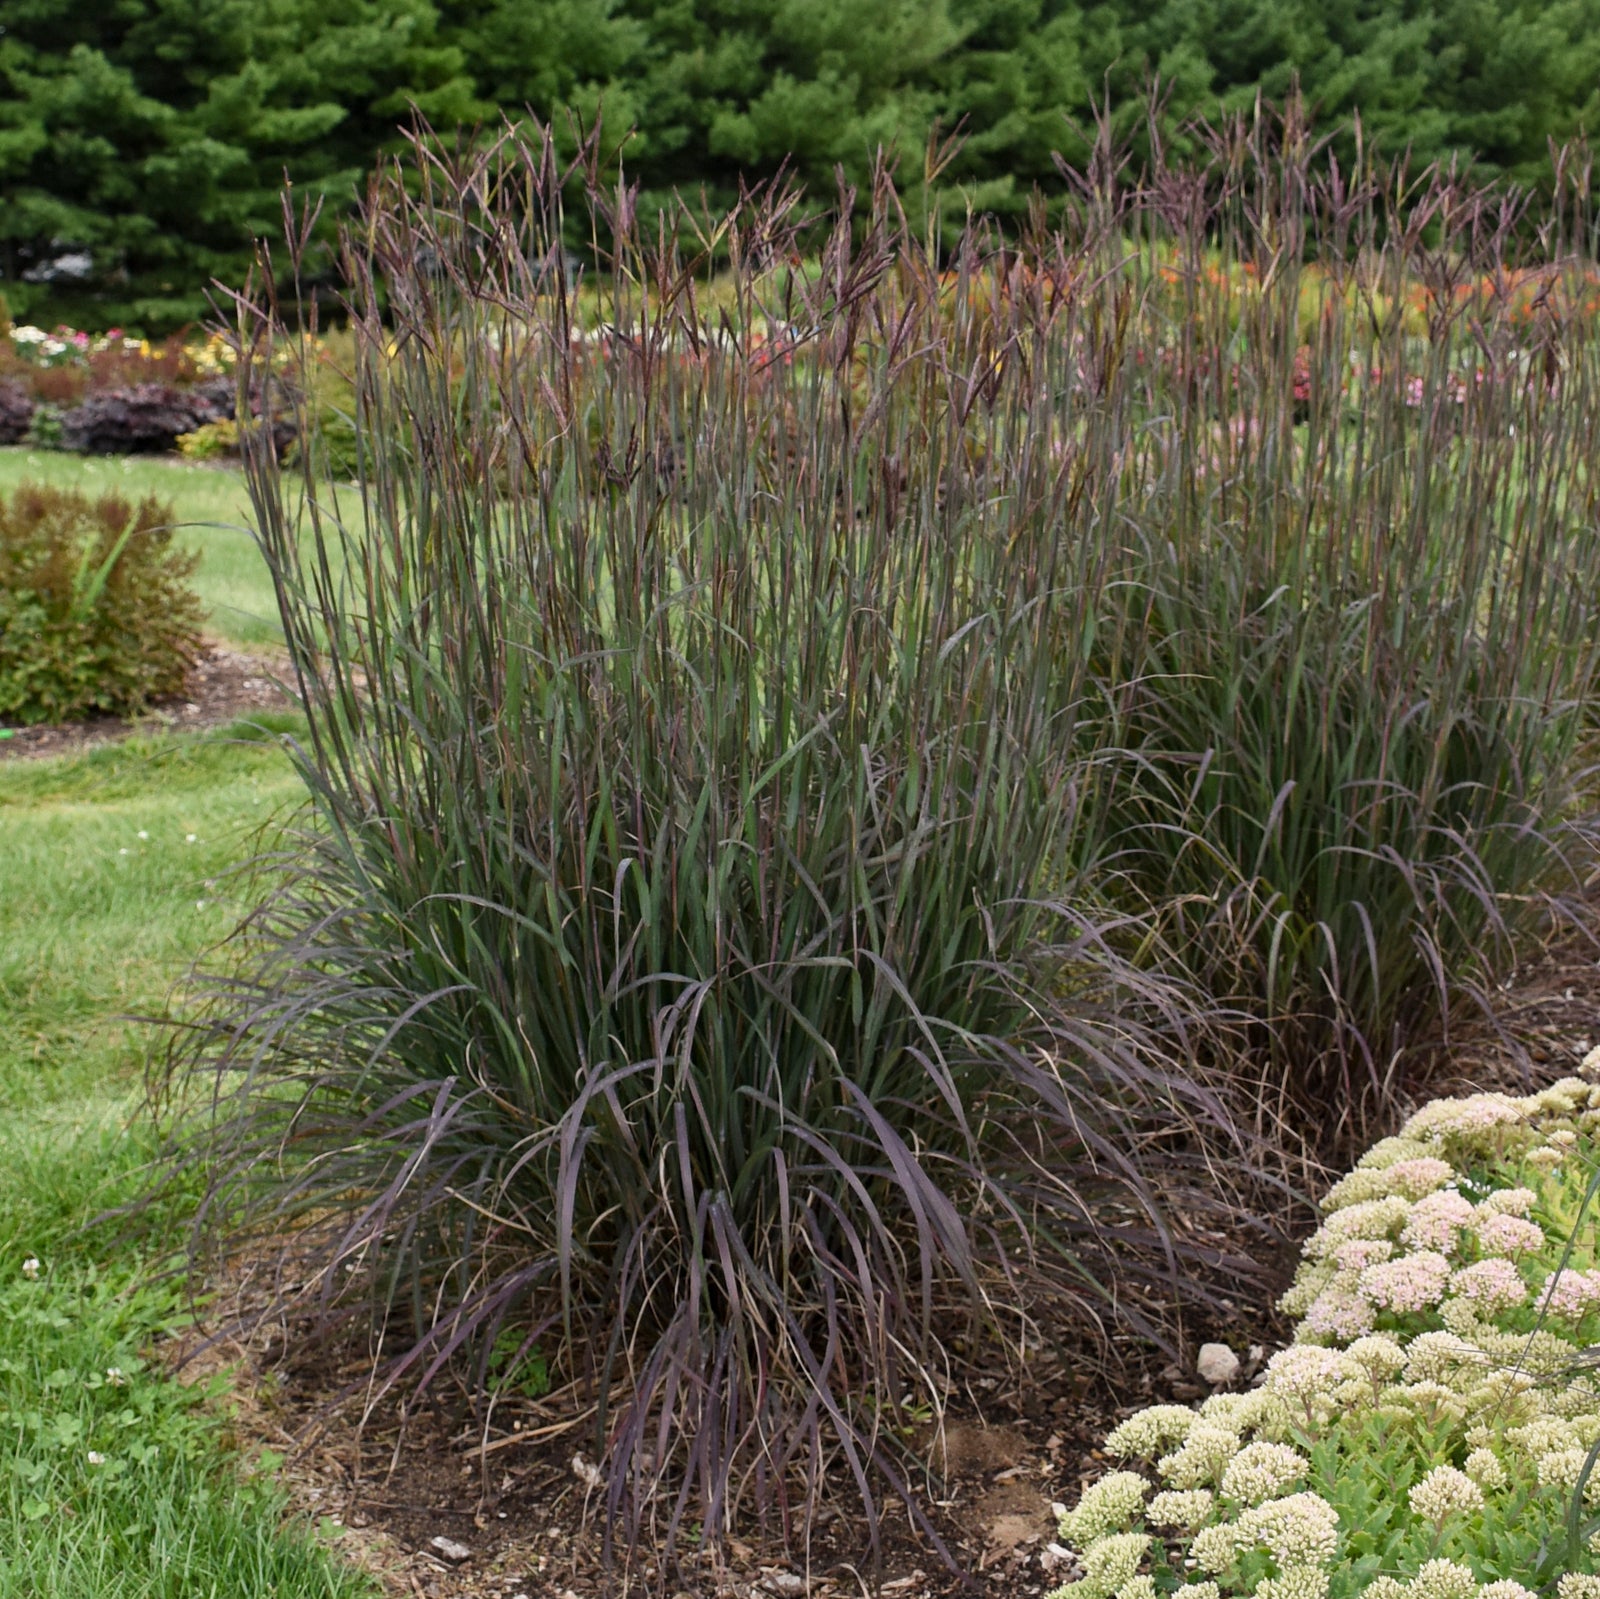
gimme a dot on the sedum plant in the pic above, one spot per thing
(1433, 1430)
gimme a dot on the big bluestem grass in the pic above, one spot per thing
(1358, 624)
(686, 969)
(802, 773)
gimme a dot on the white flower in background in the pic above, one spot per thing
(1492, 1285)
(1183, 1509)
(1563, 1098)
(1377, 1358)
(1578, 1585)
(1407, 1285)
(1338, 1312)
(115, 1376)
(1419, 1176)
(1438, 1221)
(1300, 1582)
(1561, 1468)
(95, 1458)
(1391, 1151)
(1216, 1548)
(1444, 1579)
(1412, 1177)
(1473, 1120)
(1257, 1409)
(1109, 1563)
(1432, 1401)
(1569, 1295)
(1485, 1469)
(1544, 1434)
(1261, 1470)
(1505, 1589)
(1508, 1202)
(1439, 1356)
(1106, 1505)
(31, 1267)
(1443, 1493)
(1500, 1234)
(1359, 1253)
(1376, 1218)
(1301, 1530)
(1202, 1457)
(1151, 1430)
(1545, 1158)
(1305, 1372)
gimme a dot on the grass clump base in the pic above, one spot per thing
(1432, 1432)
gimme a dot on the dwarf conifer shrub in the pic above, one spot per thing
(96, 614)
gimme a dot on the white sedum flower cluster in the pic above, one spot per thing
(1432, 1370)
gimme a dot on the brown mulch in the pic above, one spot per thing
(518, 1507)
(225, 685)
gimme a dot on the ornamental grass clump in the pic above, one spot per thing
(1353, 653)
(685, 971)
(1436, 1444)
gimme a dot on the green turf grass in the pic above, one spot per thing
(213, 507)
(116, 1481)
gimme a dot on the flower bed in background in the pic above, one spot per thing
(113, 394)
(1433, 1430)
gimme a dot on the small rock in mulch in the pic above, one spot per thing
(1217, 1364)
(457, 1554)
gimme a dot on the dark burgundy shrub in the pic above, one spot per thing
(16, 411)
(146, 417)
(221, 394)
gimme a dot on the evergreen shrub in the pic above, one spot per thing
(96, 615)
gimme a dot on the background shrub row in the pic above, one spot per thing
(144, 147)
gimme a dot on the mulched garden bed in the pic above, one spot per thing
(441, 1507)
(224, 686)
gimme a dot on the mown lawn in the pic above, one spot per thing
(212, 506)
(116, 1481)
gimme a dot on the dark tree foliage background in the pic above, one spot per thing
(143, 142)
